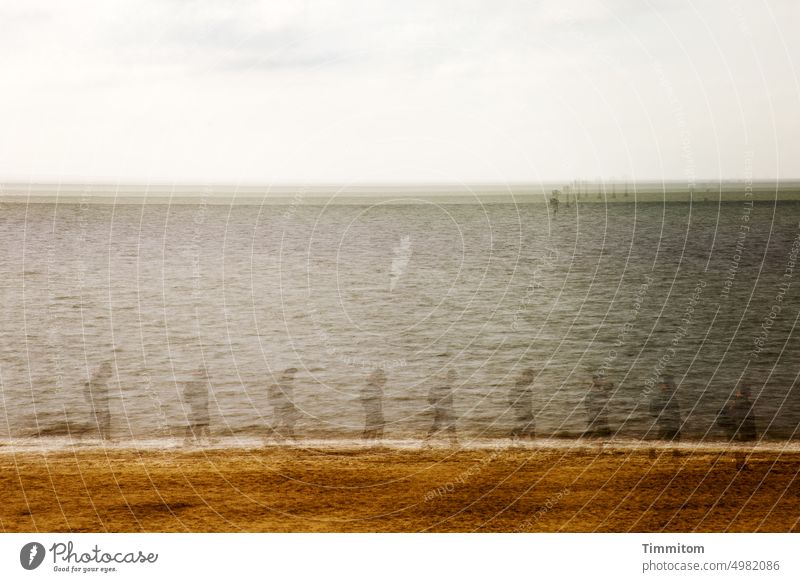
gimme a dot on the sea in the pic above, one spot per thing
(706, 292)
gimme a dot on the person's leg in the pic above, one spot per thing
(592, 424)
(369, 424)
(605, 430)
(451, 430)
(95, 417)
(434, 426)
(527, 426)
(105, 426)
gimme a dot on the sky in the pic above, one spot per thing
(350, 92)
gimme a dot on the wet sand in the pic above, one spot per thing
(283, 489)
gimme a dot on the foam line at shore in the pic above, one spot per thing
(61, 444)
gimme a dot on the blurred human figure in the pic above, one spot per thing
(520, 400)
(281, 397)
(596, 402)
(440, 397)
(96, 392)
(372, 401)
(664, 407)
(738, 418)
(195, 397)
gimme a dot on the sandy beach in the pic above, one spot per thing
(287, 489)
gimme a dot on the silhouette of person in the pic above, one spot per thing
(195, 396)
(738, 418)
(596, 402)
(440, 397)
(520, 399)
(372, 401)
(96, 392)
(664, 407)
(281, 397)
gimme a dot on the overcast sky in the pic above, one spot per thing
(339, 91)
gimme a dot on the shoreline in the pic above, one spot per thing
(384, 489)
(244, 443)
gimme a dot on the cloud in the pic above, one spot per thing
(323, 90)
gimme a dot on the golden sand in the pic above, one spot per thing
(282, 489)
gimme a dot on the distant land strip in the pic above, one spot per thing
(567, 193)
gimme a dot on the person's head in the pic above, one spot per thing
(528, 375)
(666, 383)
(105, 369)
(744, 391)
(600, 382)
(289, 373)
(201, 373)
(452, 375)
(378, 376)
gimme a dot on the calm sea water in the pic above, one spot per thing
(705, 292)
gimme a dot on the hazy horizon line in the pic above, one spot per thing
(583, 192)
(696, 182)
